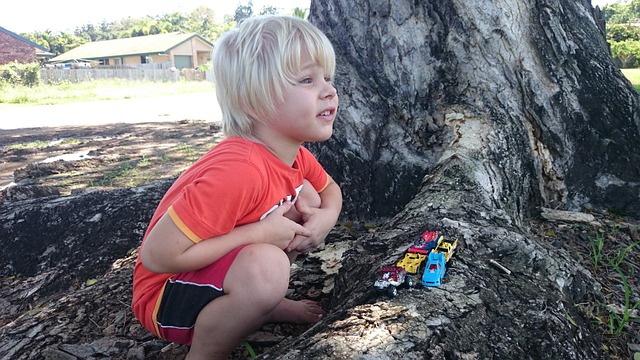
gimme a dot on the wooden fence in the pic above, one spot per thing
(53, 75)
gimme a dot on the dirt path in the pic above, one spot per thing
(78, 146)
(195, 106)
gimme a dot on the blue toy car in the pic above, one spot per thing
(435, 269)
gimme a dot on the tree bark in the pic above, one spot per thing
(469, 117)
(525, 94)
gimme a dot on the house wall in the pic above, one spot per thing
(135, 60)
(13, 49)
(199, 51)
(160, 58)
(132, 60)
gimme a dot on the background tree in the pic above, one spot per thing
(55, 42)
(269, 10)
(300, 12)
(622, 32)
(618, 13)
(243, 11)
(626, 52)
(202, 22)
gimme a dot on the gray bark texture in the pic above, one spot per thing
(523, 96)
(469, 117)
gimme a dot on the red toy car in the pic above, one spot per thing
(427, 242)
(390, 278)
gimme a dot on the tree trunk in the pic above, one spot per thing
(469, 117)
(524, 95)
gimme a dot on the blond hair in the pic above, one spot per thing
(254, 63)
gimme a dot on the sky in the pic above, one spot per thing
(602, 3)
(23, 16)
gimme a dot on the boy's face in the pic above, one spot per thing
(309, 106)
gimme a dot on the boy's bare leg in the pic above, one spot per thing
(255, 287)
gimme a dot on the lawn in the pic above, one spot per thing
(114, 89)
(634, 76)
(108, 89)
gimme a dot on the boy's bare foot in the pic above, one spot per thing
(297, 312)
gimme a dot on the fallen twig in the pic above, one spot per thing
(499, 267)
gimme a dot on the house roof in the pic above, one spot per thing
(140, 45)
(23, 39)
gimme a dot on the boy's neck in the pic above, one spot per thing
(284, 150)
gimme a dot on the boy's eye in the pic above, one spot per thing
(306, 80)
(328, 79)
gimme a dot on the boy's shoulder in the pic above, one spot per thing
(234, 148)
(241, 151)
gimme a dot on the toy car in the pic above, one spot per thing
(435, 269)
(411, 262)
(447, 247)
(390, 278)
(428, 241)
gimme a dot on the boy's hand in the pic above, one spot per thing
(318, 222)
(279, 230)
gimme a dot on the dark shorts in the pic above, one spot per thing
(186, 294)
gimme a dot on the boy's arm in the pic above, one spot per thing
(319, 221)
(168, 250)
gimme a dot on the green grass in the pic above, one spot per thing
(42, 144)
(634, 76)
(107, 89)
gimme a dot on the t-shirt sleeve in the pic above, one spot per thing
(212, 204)
(312, 170)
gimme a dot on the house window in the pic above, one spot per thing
(104, 61)
(144, 60)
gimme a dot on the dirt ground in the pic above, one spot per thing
(73, 159)
(61, 145)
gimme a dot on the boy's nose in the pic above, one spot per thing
(331, 91)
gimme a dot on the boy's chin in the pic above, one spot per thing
(322, 137)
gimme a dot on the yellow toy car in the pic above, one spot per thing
(412, 262)
(447, 247)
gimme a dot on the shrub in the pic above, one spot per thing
(15, 73)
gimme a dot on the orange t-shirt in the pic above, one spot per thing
(237, 182)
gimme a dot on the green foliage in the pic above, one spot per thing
(617, 13)
(201, 21)
(618, 322)
(243, 11)
(622, 32)
(14, 73)
(268, 10)
(626, 52)
(99, 89)
(300, 12)
(597, 245)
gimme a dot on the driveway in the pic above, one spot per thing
(195, 106)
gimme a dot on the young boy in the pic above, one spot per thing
(214, 264)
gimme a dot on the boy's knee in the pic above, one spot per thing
(260, 272)
(264, 264)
